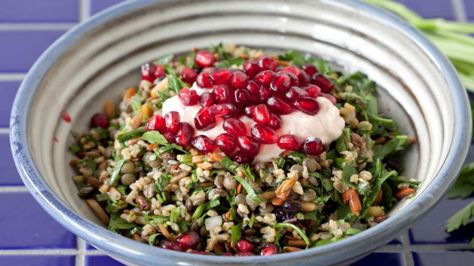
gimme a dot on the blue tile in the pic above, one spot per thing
(19, 49)
(430, 229)
(37, 260)
(8, 173)
(8, 90)
(26, 225)
(469, 7)
(39, 11)
(426, 8)
(386, 259)
(90, 247)
(101, 260)
(431, 258)
(99, 5)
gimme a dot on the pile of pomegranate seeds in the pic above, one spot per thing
(262, 91)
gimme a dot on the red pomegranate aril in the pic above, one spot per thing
(290, 69)
(172, 121)
(288, 142)
(170, 136)
(329, 97)
(263, 134)
(188, 75)
(278, 106)
(313, 91)
(148, 72)
(204, 120)
(248, 144)
(275, 122)
(221, 76)
(156, 122)
(254, 91)
(310, 69)
(188, 97)
(268, 249)
(281, 83)
(204, 59)
(203, 144)
(267, 63)
(251, 68)
(223, 94)
(226, 143)
(313, 146)
(222, 110)
(264, 94)
(303, 78)
(188, 240)
(264, 78)
(295, 93)
(307, 105)
(234, 126)
(244, 246)
(99, 120)
(203, 80)
(261, 114)
(294, 80)
(242, 157)
(239, 80)
(323, 82)
(249, 110)
(184, 134)
(169, 245)
(241, 97)
(207, 99)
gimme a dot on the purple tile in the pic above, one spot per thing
(469, 7)
(8, 90)
(26, 225)
(430, 258)
(37, 260)
(39, 11)
(99, 5)
(386, 259)
(101, 260)
(426, 8)
(19, 49)
(430, 229)
(8, 174)
(90, 247)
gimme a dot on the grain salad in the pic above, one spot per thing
(232, 151)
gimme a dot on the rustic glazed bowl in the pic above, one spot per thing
(98, 59)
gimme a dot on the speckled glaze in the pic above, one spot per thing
(99, 58)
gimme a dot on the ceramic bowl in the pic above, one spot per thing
(98, 59)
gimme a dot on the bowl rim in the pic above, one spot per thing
(123, 247)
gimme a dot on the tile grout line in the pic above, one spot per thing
(12, 76)
(13, 189)
(35, 26)
(84, 9)
(408, 256)
(459, 10)
(4, 130)
(81, 248)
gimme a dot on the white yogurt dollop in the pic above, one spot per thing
(326, 125)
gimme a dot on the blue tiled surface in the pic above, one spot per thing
(26, 226)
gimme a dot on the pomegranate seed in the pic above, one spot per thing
(268, 249)
(324, 83)
(188, 97)
(159, 72)
(294, 80)
(303, 78)
(99, 120)
(330, 98)
(295, 93)
(244, 246)
(267, 63)
(313, 146)
(248, 144)
(249, 110)
(278, 106)
(188, 240)
(221, 76)
(290, 69)
(242, 157)
(222, 110)
(307, 105)
(204, 120)
(184, 134)
(156, 122)
(281, 83)
(203, 143)
(172, 121)
(313, 91)
(288, 142)
(275, 122)
(261, 114)
(263, 134)
(251, 68)
(264, 93)
(170, 136)
(234, 126)
(207, 99)
(241, 97)
(188, 75)
(203, 80)
(254, 91)
(223, 94)
(310, 69)
(148, 72)
(264, 78)
(239, 80)
(226, 142)
(169, 245)
(204, 59)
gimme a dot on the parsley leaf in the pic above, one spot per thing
(116, 172)
(250, 191)
(464, 185)
(297, 58)
(461, 218)
(396, 144)
(116, 223)
(131, 134)
(154, 137)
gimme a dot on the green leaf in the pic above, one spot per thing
(297, 157)
(347, 172)
(232, 62)
(295, 57)
(296, 229)
(155, 219)
(136, 103)
(131, 134)
(235, 233)
(396, 144)
(248, 172)
(279, 162)
(380, 175)
(464, 185)
(461, 218)
(352, 231)
(229, 165)
(175, 214)
(116, 172)
(154, 137)
(152, 239)
(162, 181)
(250, 191)
(116, 223)
(198, 211)
(164, 60)
(171, 147)
(323, 242)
